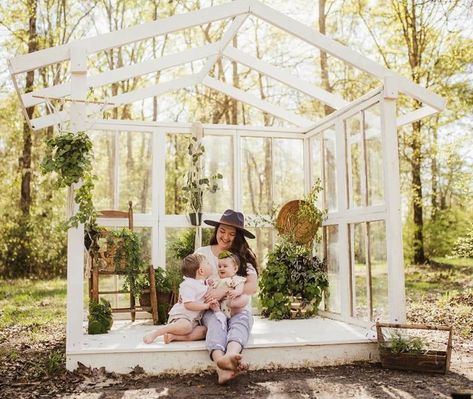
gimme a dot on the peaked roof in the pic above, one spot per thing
(239, 10)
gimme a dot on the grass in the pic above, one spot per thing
(32, 307)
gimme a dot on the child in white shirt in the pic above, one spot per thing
(185, 315)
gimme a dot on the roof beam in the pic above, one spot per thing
(125, 98)
(416, 115)
(124, 73)
(254, 101)
(282, 76)
(342, 52)
(41, 58)
(223, 42)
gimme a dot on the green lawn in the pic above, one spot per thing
(32, 307)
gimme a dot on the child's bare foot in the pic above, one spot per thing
(168, 338)
(149, 338)
(224, 376)
(230, 362)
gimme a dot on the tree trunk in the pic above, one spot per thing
(417, 206)
(236, 83)
(25, 160)
(323, 55)
(435, 172)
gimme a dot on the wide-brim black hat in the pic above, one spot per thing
(234, 219)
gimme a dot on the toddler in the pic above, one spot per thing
(185, 315)
(235, 300)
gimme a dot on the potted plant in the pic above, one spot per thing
(411, 352)
(295, 281)
(100, 317)
(197, 184)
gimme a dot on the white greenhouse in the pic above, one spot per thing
(353, 150)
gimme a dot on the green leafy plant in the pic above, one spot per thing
(128, 255)
(197, 184)
(397, 343)
(292, 273)
(308, 210)
(100, 317)
(184, 245)
(69, 155)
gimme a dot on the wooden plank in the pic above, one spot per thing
(342, 52)
(282, 76)
(125, 98)
(223, 42)
(416, 115)
(124, 73)
(392, 195)
(254, 101)
(27, 62)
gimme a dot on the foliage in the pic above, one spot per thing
(128, 254)
(70, 157)
(100, 317)
(197, 184)
(464, 245)
(184, 245)
(397, 343)
(292, 271)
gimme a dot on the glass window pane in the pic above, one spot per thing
(333, 268)
(219, 159)
(330, 171)
(355, 172)
(316, 164)
(177, 165)
(288, 164)
(104, 154)
(374, 155)
(135, 160)
(256, 175)
(379, 269)
(359, 271)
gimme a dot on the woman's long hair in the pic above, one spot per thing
(241, 248)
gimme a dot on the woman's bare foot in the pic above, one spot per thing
(168, 338)
(224, 376)
(230, 362)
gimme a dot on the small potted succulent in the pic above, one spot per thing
(197, 184)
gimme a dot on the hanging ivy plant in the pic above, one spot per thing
(69, 156)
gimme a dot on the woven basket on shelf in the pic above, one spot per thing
(291, 225)
(106, 256)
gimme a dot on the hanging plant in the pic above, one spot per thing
(69, 156)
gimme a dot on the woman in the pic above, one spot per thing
(225, 347)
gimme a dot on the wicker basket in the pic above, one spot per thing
(106, 256)
(291, 225)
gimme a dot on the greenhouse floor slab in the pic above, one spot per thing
(287, 343)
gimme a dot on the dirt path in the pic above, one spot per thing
(24, 378)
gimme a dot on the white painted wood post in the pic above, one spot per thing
(343, 236)
(75, 237)
(392, 190)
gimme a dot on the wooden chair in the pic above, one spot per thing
(96, 272)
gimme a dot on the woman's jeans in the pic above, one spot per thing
(238, 330)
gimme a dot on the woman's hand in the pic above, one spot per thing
(215, 293)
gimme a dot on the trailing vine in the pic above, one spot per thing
(69, 156)
(127, 257)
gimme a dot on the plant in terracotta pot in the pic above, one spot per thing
(196, 183)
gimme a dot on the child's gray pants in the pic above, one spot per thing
(238, 330)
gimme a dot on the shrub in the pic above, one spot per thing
(464, 245)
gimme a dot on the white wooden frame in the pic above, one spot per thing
(391, 83)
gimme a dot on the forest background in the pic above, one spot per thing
(430, 42)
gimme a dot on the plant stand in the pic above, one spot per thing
(431, 361)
